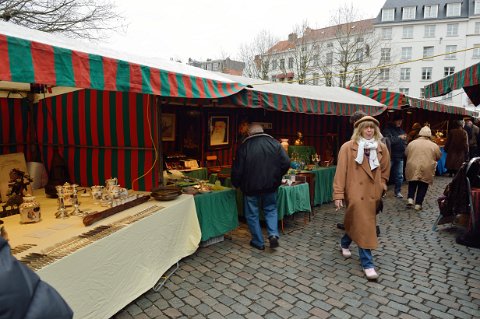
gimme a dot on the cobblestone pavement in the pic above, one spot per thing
(423, 274)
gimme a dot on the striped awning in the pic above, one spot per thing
(439, 107)
(468, 79)
(30, 56)
(302, 98)
(392, 100)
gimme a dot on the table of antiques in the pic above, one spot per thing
(101, 268)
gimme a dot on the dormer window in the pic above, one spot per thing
(388, 14)
(409, 13)
(454, 9)
(430, 12)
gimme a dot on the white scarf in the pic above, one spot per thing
(371, 145)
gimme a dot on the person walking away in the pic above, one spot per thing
(456, 148)
(422, 156)
(259, 166)
(360, 180)
(472, 137)
(398, 142)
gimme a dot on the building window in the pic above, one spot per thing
(404, 90)
(476, 51)
(427, 52)
(360, 39)
(422, 93)
(388, 14)
(359, 55)
(329, 58)
(328, 78)
(330, 45)
(290, 63)
(427, 73)
(282, 64)
(448, 70)
(477, 7)
(430, 11)
(477, 27)
(315, 78)
(408, 32)
(274, 64)
(315, 60)
(406, 54)
(384, 74)
(386, 33)
(405, 74)
(449, 49)
(452, 30)
(453, 9)
(429, 31)
(273, 78)
(385, 54)
(358, 78)
(409, 13)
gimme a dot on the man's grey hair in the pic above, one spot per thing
(254, 129)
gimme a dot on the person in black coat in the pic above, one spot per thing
(23, 294)
(398, 142)
(258, 169)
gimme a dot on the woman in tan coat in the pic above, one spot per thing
(361, 177)
(422, 156)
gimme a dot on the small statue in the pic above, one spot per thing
(299, 140)
(16, 189)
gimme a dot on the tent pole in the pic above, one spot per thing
(158, 130)
(32, 151)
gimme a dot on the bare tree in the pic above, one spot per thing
(87, 19)
(257, 55)
(354, 53)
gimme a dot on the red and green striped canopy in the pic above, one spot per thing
(25, 59)
(468, 79)
(392, 100)
(288, 103)
(438, 107)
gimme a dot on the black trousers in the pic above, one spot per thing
(417, 187)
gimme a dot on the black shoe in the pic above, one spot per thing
(378, 230)
(256, 246)
(341, 226)
(273, 241)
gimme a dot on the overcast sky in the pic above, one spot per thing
(203, 29)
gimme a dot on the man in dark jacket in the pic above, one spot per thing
(258, 168)
(398, 142)
(23, 294)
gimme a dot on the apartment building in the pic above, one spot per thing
(227, 65)
(404, 31)
(423, 29)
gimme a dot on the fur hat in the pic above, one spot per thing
(416, 126)
(366, 118)
(425, 132)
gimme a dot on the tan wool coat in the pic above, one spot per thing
(361, 189)
(422, 156)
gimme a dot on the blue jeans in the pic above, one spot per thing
(366, 258)
(396, 173)
(252, 212)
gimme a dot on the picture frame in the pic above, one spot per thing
(218, 131)
(168, 127)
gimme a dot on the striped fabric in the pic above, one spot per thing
(284, 103)
(392, 100)
(34, 62)
(13, 125)
(465, 78)
(438, 107)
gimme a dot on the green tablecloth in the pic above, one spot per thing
(292, 199)
(199, 173)
(304, 152)
(217, 212)
(323, 184)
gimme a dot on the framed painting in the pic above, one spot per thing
(168, 127)
(219, 131)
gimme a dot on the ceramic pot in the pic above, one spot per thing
(29, 210)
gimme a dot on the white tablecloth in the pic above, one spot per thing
(105, 276)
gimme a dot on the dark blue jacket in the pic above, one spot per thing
(259, 165)
(397, 145)
(23, 294)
